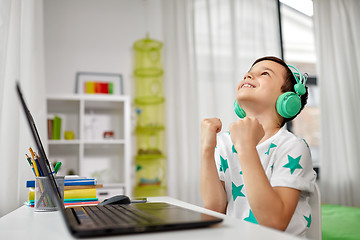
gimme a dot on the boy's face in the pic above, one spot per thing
(261, 86)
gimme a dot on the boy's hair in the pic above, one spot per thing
(289, 83)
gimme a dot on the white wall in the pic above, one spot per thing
(95, 36)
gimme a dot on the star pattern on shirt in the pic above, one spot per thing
(251, 218)
(272, 145)
(293, 164)
(233, 149)
(308, 219)
(236, 191)
(224, 164)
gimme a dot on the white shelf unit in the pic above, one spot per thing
(89, 154)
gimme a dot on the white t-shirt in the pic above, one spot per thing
(287, 162)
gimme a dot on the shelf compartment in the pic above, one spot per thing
(101, 117)
(68, 110)
(104, 162)
(68, 155)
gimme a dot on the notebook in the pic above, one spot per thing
(103, 220)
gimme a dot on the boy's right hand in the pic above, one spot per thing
(209, 129)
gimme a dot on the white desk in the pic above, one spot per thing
(24, 223)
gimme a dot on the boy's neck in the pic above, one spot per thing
(270, 124)
(269, 134)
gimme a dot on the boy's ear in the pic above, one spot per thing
(288, 104)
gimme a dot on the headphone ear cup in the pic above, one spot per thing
(238, 110)
(288, 104)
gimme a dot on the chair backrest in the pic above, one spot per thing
(314, 232)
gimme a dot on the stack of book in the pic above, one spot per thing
(77, 191)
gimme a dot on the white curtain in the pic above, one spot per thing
(21, 58)
(209, 45)
(337, 34)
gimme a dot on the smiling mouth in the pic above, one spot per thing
(247, 85)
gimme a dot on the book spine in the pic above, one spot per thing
(111, 88)
(97, 87)
(80, 193)
(79, 182)
(50, 128)
(73, 195)
(105, 88)
(90, 87)
(81, 199)
(81, 203)
(72, 182)
(57, 128)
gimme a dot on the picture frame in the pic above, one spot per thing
(99, 83)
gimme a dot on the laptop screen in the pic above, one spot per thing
(43, 161)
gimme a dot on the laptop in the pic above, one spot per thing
(104, 220)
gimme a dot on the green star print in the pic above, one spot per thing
(251, 218)
(236, 191)
(233, 149)
(224, 164)
(270, 147)
(293, 164)
(308, 219)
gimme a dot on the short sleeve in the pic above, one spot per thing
(293, 166)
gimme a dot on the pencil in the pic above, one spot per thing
(32, 152)
(37, 173)
(30, 163)
(38, 165)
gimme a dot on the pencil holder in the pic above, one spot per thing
(44, 197)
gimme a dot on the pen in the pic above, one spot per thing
(57, 167)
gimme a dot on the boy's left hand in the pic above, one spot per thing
(246, 133)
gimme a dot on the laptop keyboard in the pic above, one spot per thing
(118, 215)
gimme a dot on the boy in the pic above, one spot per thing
(258, 171)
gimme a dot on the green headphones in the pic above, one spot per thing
(288, 104)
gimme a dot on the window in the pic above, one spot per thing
(299, 50)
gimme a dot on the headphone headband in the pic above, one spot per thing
(300, 79)
(297, 72)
